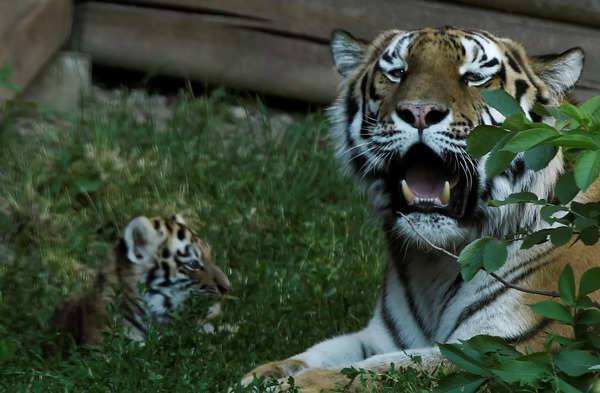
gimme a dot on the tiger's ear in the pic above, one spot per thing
(347, 52)
(141, 240)
(560, 72)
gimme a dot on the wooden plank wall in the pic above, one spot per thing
(31, 31)
(281, 47)
(580, 12)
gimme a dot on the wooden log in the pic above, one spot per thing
(580, 12)
(205, 48)
(31, 31)
(281, 48)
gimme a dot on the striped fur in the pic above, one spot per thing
(156, 266)
(378, 132)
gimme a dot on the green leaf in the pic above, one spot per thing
(590, 281)
(498, 163)
(551, 111)
(544, 359)
(587, 168)
(553, 310)
(582, 222)
(539, 157)
(589, 236)
(494, 255)
(523, 196)
(573, 112)
(471, 257)
(482, 139)
(566, 188)
(584, 301)
(459, 383)
(557, 339)
(561, 235)
(517, 122)
(517, 197)
(453, 353)
(498, 160)
(529, 139)
(575, 362)
(524, 372)
(547, 213)
(588, 317)
(577, 140)
(590, 209)
(593, 340)
(480, 345)
(501, 101)
(565, 387)
(591, 106)
(535, 238)
(566, 286)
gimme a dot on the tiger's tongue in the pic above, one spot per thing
(425, 181)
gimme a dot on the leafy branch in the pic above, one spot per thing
(456, 257)
(568, 362)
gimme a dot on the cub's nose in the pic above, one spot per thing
(221, 281)
(223, 289)
(422, 116)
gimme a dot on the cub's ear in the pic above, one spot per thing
(560, 72)
(347, 52)
(178, 219)
(141, 240)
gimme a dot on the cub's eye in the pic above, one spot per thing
(474, 79)
(396, 74)
(194, 265)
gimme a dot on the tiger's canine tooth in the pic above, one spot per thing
(407, 192)
(445, 196)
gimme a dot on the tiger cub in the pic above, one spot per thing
(154, 268)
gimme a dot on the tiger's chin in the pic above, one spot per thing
(425, 229)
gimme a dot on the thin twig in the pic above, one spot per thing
(494, 275)
(535, 292)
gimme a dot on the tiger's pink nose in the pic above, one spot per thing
(422, 116)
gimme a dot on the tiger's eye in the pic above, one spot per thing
(197, 265)
(473, 77)
(397, 73)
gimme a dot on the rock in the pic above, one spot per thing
(62, 83)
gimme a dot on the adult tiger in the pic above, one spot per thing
(406, 104)
(164, 257)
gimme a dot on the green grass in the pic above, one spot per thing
(303, 257)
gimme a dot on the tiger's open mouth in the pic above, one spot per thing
(422, 181)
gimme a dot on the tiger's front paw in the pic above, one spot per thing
(280, 369)
(315, 380)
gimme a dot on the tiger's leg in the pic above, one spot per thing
(314, 380)
(336, 352)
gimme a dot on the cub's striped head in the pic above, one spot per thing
(407, 102)
(174, 263)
